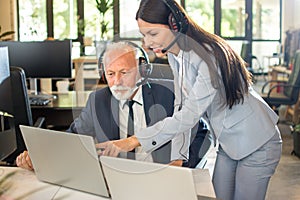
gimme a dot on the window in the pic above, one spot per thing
(233, 18)
(266, 19)
(227, 18)
(128, 24)
(92, 21)
(202, 12)
(32, 20)
(65, 19)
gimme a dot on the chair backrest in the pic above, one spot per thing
(20, 96)
(294, 79)
(21, 107)
(161, 71)
(244, 51)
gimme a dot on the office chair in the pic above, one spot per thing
(161, 71)
(290, 93)
(249, 58)
(22, 109)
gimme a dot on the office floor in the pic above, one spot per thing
(285, 183)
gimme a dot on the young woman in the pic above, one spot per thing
(211, 80)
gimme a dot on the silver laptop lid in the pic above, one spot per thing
(134, 180)
(65, 159)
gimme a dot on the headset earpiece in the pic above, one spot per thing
(178, 22)
(145, 68)
(177, 19)
(172, 23)
(101, 67)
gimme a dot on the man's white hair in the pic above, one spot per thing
(119, 48)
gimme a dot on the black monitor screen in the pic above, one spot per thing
(47, 59)
(5, 86)
(7, 128)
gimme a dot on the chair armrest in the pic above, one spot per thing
(40, 122)
(281, 85)
(271, 81)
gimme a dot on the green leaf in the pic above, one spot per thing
(103, 6)
(297, 128)
(7, 33)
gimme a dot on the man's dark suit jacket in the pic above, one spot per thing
(100, 117)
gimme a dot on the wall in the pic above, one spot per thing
(297, 14)
(288, 15)
(8, 15)
(291, 14)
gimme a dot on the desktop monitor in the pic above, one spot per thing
(7, 128)
(46, 59)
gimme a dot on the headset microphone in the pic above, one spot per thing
(140, 82)
(164, 50)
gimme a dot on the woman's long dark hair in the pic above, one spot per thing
(234, 76)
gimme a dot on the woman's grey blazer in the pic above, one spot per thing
(240, 130)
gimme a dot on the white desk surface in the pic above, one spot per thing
(24, 185)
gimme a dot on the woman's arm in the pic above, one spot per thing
(114, 147)
(200, 97)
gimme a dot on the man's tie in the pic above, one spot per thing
(130, 128)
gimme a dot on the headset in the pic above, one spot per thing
(177, 22)
(144, 66)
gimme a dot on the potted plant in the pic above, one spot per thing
(103, 7)
(3, 36)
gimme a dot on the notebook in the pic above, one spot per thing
(65, 159)
(135, 180)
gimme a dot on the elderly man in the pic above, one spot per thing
(106, 115)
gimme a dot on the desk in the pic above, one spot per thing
(62, 110)
(277, 57)
(276, 70)
(279, 73)
(24, 185)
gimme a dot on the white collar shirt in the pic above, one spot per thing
(139, 123)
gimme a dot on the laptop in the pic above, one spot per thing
(65, 159)
(135, 180)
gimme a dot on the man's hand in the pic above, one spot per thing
(114, 147)
(24, 161)
(177, 163)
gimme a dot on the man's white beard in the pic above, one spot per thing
(126, 93)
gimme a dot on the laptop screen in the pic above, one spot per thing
(65, 159)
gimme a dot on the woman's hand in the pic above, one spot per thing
(24, 161)
(114, 147)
